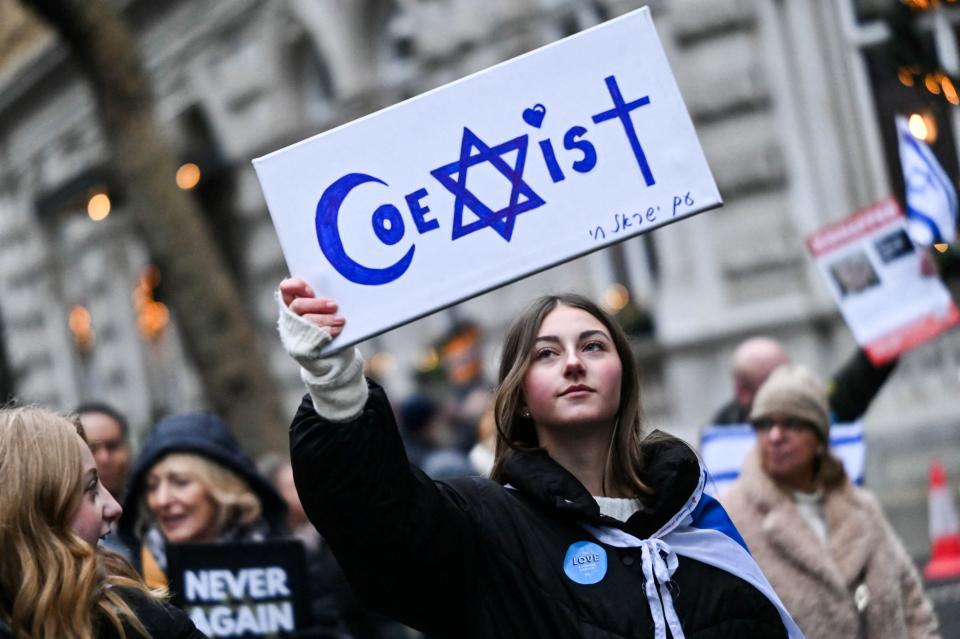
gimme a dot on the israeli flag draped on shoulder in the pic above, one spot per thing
(931, 199)
(701, 530)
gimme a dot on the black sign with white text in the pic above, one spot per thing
(242, 589)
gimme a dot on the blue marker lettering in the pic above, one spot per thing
(572, 140)
(418, 211)
(387, 223)
(621, 110)
(556, 174)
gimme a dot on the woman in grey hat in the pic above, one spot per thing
(823, 543)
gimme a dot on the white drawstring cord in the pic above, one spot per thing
(657, 574)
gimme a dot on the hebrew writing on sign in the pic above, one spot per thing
(536, 161)
(241, 589)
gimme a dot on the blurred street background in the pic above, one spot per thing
(794, 102)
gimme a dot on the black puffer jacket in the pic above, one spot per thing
(160, 620)
(471, 558)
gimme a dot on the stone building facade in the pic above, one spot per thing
(783, 96)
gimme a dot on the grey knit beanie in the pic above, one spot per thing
(793, 390)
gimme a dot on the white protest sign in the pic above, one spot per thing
(873, 271)
(536, 161)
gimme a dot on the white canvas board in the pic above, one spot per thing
(491, 178)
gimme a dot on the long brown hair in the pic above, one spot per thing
(515, 433)
(53, 584)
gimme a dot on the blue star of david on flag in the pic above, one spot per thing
(930, 196)
(501, 221)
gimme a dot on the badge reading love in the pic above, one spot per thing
(585, 563)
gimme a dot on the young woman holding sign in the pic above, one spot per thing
(55, 583)
(588, 529)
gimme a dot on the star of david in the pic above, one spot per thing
(501, 221)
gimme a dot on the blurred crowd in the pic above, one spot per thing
(823, 543)
(192, 482)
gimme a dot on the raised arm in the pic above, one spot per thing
(406, 544)
(307, 324)
(855, 386)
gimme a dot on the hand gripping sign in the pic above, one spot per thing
(536, 161)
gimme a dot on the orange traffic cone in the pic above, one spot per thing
(944, 528)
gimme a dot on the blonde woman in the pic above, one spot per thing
(192, 483)
(54, 581)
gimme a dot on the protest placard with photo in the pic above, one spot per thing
(873, 270)
(536, 161)
(242, 589)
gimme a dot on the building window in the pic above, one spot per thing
(903, 50)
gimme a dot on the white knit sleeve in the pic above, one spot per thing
(335, 382)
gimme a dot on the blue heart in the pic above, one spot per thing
(534, 115)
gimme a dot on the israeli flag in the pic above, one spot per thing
(931, 198)
(700, 530)
(724, 448)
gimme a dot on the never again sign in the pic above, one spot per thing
(243, 589)
(531, 163)
(268, 586)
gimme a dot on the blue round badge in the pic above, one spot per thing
(585, 563)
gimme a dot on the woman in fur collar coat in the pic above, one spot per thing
(823, 543)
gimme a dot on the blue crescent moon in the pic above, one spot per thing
(328, 235)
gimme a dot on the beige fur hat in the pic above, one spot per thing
(793, 390)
